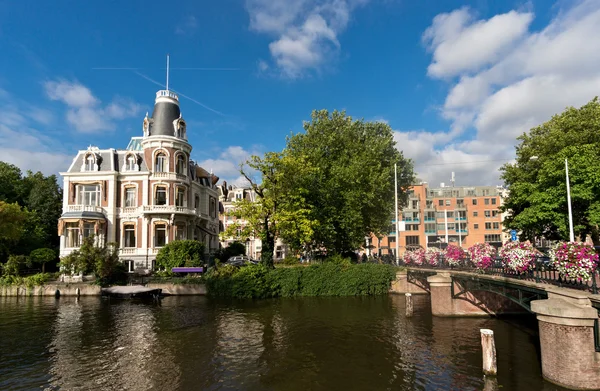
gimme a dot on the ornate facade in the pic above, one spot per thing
(142, 197)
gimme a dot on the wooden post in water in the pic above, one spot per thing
(488, 347)
(409, 305)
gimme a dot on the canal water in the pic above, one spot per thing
(196, 343)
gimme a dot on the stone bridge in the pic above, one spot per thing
(567, 318)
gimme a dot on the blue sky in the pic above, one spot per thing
(457, 81)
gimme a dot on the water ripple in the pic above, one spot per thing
(192, 343)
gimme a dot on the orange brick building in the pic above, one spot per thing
(436, 216)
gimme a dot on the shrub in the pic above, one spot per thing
(574, 260)
(290, 260)
(13, 265)
(333, 278)
(338, 259)
(180, 253)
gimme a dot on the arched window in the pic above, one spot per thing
(131, 164)
(90, 163)
(180, 167)
(161, 162)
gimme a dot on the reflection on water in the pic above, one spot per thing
(193, 343)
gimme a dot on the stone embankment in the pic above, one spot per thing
(87, 289)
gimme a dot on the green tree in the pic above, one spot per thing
(11, 190)
(44, 196)
(12, 221)
(13, 265)
(180, 253)
(41, 256)
(330, 187)
(537, 200)
(40, 199)
(103, 261)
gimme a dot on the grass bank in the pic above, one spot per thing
(325, 279)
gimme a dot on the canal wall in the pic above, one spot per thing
(180, 289)
(87, 289)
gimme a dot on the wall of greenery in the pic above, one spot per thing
(322, 279)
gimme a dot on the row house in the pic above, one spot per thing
(144, 196)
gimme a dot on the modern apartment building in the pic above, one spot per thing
(228, 196)
(141, 197)
(434, 216)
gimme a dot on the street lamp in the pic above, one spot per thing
(571, 233)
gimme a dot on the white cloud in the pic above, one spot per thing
(71, 93)
(33, 151)
(500, 92)
(85, 112)
(227, 165)
(305, 31)
(460, 44)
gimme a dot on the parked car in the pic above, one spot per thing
(240, 260)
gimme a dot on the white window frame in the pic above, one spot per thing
(129, 227)
(180, 164)
(128, 202)
(180, 190)
(72, 237)
(85, 195)
(163, 227)
(88, 230)
(155, 195)
(180, 231)
(131, 163)
(164, 164)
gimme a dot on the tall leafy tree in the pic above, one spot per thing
(40, 199)
(330, 187)
(537, 201)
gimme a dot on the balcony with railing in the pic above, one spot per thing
(430, 219)
(412, 219)
(129, 210)
(430, 232)
(132, 251)
(168, 209)
(84, 208)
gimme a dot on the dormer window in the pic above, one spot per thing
(131, 163)
(180, 167)
(161, 163)
(180, 128)
(89, 163)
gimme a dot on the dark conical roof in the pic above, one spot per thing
(166, 110)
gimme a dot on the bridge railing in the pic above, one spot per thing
(543, 271)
